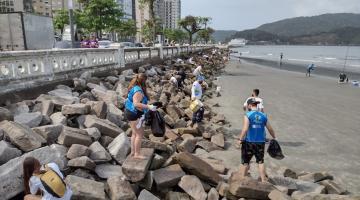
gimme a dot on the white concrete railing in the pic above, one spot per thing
(20, 65)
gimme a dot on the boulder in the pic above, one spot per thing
(208, 146)
(85, 188)
(147, 181)
(173, 112)
(99, 108)
(219, 118)
(57, 100)
(314, 196)
(120, 189)
(94, 133)
(193, 187)
(169, 134)
(70, 136)
(197, 167)
(5, 114)
(8, 152)
(315, 177)
(168, 177)
(286, 172)
(106, 171)
(157, 161)
(180, 123)
(176, 196)
(213, 194)
(114, 114)
(105, 140)
(47, 108)
(136, 169)
(223, 188)
(77, 150)
(29, 119)
(49, 132)
(218, 140)
(332, 187)
(21, 136)
(82, 162)
(277, 195)
(217, 165)
(75, 109)
(11, 173)
(58, 119)
(156, 145)
(98, 153)
(104, 126)
(247, 187)
(187, 145)
(189, 130)
(17, 108)
(119, 148)
(169, 121)
(146, 195)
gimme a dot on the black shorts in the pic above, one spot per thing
(248, 150)
(131, 116)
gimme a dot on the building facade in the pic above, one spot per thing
(142, 14)
(127, 7)
(15, 6)
(172, 13)
(42, 7)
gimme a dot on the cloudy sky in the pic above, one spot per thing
(246, 14)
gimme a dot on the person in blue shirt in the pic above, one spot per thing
(309, 69)
(253, 137)
(136, 105)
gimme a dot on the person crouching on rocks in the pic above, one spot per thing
(253, 137)
(136, 105)
(196, 94)
(44, 182)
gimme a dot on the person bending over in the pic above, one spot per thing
(253, 137)
(309, 69)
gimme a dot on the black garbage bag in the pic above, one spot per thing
(157, 123)
(274, 150)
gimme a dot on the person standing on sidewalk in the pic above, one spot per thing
(253, 138)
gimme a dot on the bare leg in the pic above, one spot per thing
(133, 137)
(244, 169)
(138, 138)
(262, 172)
(32, 197)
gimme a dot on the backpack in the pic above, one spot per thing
(53, 183)
(274, 150)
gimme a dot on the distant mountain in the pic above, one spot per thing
(327, 29)
(221, 35)
(311, 25)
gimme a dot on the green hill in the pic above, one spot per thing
(311, 25)
(221, 35)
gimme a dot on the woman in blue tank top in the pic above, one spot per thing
(135, 107)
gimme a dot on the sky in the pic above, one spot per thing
(247, 14)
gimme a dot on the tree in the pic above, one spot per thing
(153, 23)
(205, 34)
(126, 28)
(193, 25)
(176, 35)
(61, 19)
(100, 15)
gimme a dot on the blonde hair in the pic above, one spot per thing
(139, 80)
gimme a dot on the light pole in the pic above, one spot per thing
(71, 20)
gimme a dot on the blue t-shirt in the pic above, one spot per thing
(129, 104)
(257, 122)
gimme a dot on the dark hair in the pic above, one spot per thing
(139, 80)
(256, 91)
(29, 166)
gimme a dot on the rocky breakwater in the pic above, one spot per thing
(83, 129)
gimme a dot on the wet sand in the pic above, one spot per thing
(316, 119)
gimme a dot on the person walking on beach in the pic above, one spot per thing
(36, 175)
(253, 137)
(309, 69)
(255, 94)
(136, 105)
(281, 58)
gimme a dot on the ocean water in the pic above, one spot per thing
(324, 56)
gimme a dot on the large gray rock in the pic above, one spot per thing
(106, 171)
(77, 150)
(176, 196)
(105, 126)
(75, 109)
(332, 187)
(98, 153)
(98, 108)
(208, 146)
(29, 119)
(21, 136)
(119, 148)
(11, 173)
(85, 188)
(168, 177)
(146, 195)
(5, 114)
(188, 145)
(58, 119)
(120, 189)
(83, 162)
(315, 177)
(218, 140)
(94, 133)
(136, 169)
(246, 187)
(47, 108)
(193, 187)
(213, 194)
(194, 165)
(70, 136)
(18, 108)
(57, 100)
(8, 152)
(50, 132)
(114, 114)
(277, 195)
(313, 196)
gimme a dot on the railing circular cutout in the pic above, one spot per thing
(4, 70)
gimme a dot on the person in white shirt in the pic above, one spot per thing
(196, 89)
(255, 94)
(34, 189)
(174, 81)
(197, 71)
(191, 61)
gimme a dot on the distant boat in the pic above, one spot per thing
(238, 42)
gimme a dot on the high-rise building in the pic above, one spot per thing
(142, 14)
(42, 7)
(127, 7)
(64, 4)
(172, 13)
(15, 6)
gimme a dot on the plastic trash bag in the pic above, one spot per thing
(195, 105)
(157, 123)
(274, 150)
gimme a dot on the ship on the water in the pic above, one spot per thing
(238, 42)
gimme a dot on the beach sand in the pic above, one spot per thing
(316, 119)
